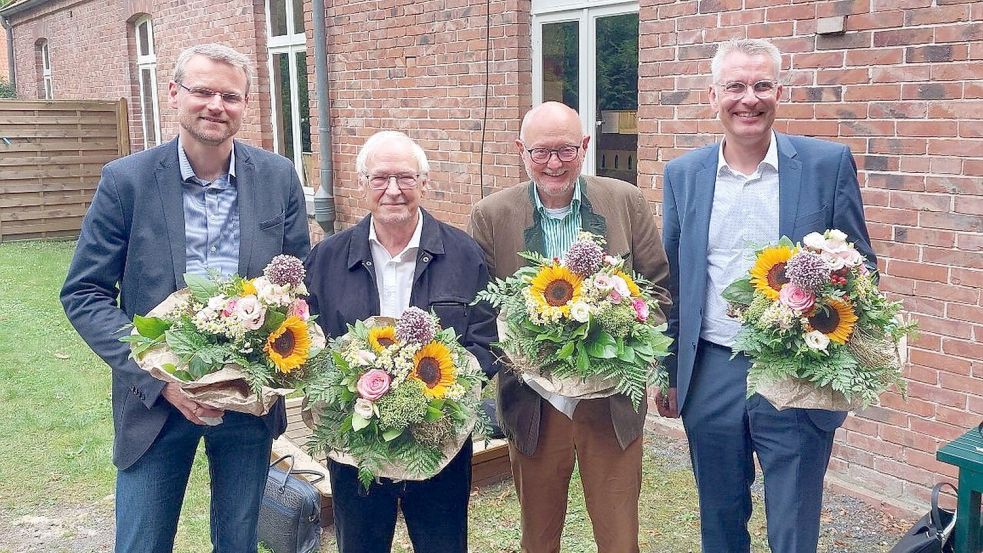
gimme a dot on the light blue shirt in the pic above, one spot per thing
(743, 219)
(211, 219)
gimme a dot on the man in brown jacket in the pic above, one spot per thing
(548, 433)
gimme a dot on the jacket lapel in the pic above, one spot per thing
(168, 179)
(700, 209)
(789, 186)
(246, 190)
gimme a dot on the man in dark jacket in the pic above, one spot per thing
(399, 256)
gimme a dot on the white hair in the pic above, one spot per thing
(361, 161)
(747, 46)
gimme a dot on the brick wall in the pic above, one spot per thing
(903, 87)
(418, 67)
(105, 68)
(4, 67)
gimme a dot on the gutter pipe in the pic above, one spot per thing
(324, 202)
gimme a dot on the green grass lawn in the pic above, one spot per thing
(56, 437)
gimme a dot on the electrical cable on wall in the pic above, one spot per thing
(484, 118)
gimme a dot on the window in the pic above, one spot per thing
(288, 82)
(45, 90)
(147, 72)
(586, 56)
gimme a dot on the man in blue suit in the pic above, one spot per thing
(721, 203)
(199, 203)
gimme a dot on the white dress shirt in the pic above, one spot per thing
(394, 273)
(743, 219)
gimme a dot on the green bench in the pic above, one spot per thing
(966, 452)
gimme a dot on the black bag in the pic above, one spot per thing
(290, 515)
(933, 532)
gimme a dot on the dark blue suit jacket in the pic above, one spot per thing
(818, 190)
(131, 255)
(450, 271)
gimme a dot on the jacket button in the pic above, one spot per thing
(426, 259)
(368, 263)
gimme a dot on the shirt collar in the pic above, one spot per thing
(414, 240)
(574, 202)
(771, 156)
(187, 171)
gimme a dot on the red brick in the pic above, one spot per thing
(944, 327)
(921, 202)
(961, 383)
(894, 402)
(900, 74)
(897, 145)
(910, 439)
(936, 395)
(932, 91)
(959, 33)
(902, 37)
(918, 271)
(935, 15)
(948, 292)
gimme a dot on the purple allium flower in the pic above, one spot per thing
(285, 270)
(584, 257)
(416, 326)
(807, 270)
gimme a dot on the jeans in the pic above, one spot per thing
(150, 492)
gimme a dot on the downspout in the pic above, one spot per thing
(10, 51)
(324, 204)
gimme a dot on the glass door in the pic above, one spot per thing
(587, 58)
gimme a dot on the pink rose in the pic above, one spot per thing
(300, 309)
(614, 297)
(373, 384)
(641, 309)
(230, 308)
(796, 298)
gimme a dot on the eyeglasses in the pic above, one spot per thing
(404, 181)
(736, 90)
(543, 155)
(206, 94)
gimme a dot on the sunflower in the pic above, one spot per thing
(834, 318)
(632, 287)
(768, 272)
(433, 366)
(381, 337)
(289, 344)
(556, 286)
(248, 288)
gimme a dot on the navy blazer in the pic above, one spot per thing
(131, 255)
(817, 190)
(450, 271)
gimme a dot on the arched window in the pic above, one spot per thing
(45, 89)
(147, 71)
(286, 45)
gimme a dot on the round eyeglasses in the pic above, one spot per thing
(404, 181)
(542, 155)
(735, 90)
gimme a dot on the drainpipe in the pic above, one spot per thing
(324, 204)
(10, 50)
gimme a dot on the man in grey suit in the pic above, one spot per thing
(720, 203)
(202, 202)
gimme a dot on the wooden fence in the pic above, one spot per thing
(51, 155)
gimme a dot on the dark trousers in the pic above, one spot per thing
(435, 510)
(149, 493)
(724, 429)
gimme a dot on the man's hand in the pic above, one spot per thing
(666, 404)
(191, 409)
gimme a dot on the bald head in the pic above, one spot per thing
(552, 116)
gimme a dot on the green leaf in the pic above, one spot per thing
(566, 351)
(359, 422)
(740, 292)
(150, 327)
(201, 287)
(583, 362)
(433, 414)
(627, 355)
(273, 320)
(390, 435)
(603, 346)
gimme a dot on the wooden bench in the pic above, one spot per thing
(966, 452)
(488, 465)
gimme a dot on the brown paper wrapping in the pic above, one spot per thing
(311, 414)
(588, 388)
(799, 393)
(225, 389)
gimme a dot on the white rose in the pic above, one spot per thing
(217, 303)
(835, 241)
(580, 312)
(814, 241)
(816, 340)
(364, 357)
(836, 235)
(363, 408)
(834, 261)
(620, 286)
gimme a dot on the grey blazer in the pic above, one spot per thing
(131, 255)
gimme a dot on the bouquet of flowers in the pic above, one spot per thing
(818, 331)
(232, 343)
(580, 326)
(401, 399)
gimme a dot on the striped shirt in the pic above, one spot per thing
(211, 219)
(560, 226)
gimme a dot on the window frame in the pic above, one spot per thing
(147, 62)
(292, 43)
